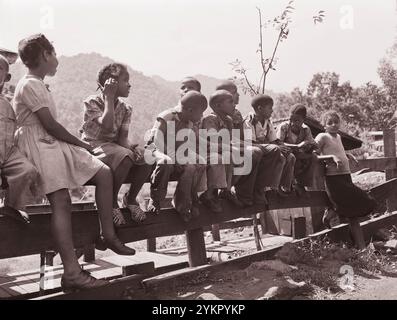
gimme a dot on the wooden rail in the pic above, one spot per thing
(17, 239)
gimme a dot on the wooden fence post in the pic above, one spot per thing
(89, 252)
(216, 235)
(389, 149)
(151, 245)
(298, 227)
(262, 219)
(318, 184)
(196, 247)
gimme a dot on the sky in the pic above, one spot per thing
(175, 38)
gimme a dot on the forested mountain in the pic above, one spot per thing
(76, 80)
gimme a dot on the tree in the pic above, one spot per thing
(388, 73)
(281, 24)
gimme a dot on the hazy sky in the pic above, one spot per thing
(174, 38)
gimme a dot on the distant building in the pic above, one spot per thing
(376, 140)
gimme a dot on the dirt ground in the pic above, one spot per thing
(318, 271)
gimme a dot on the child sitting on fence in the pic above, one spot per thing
(166, 148)
(296, 135)
(189, 84)
(106, 125)
(63, 161)
(17, 174)
(347, 199)
(277, 167)
(219, 126)
(246, 191)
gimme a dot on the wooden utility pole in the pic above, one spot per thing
(389, 149)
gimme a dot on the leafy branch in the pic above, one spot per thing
(281, 24)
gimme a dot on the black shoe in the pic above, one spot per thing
(330, 218)
(83, 281)
(299, 189)
(153, 206)
(186, 216)
(15, 214)
(232, 197)
(283, 192)
(115, 245)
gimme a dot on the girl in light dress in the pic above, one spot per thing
(64, 162)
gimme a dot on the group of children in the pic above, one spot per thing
(39, 155)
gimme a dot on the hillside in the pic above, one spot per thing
(76, 79)
(208, 85)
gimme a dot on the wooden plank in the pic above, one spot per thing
(117, 287)
(308, 216)
(262, 220)
(17, 239)
(216, 236)
(89, 252)
(7, 292)
(272, 223)
(196, 247)
(4, 294)
(151, 244)
(114, 291)
(376, 164)
(284, 220)
(298, 227)
(142, 268)
(76, 206)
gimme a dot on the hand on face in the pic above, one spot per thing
(110, 88)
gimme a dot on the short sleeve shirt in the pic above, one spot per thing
(261, 133)
(7, 129)
(92, 131)
(161, 132)
(285, 134)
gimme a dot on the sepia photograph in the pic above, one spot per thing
(200, 157)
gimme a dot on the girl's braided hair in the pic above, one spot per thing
(113, 70)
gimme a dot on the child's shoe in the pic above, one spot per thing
(299, 189)
(153, 206)
(186, 216)
(330, 218)
(283, 192)
(18, 215)
(115, 245)
(83, 281)
(137, 214)
(211, 203)
(232, 197)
